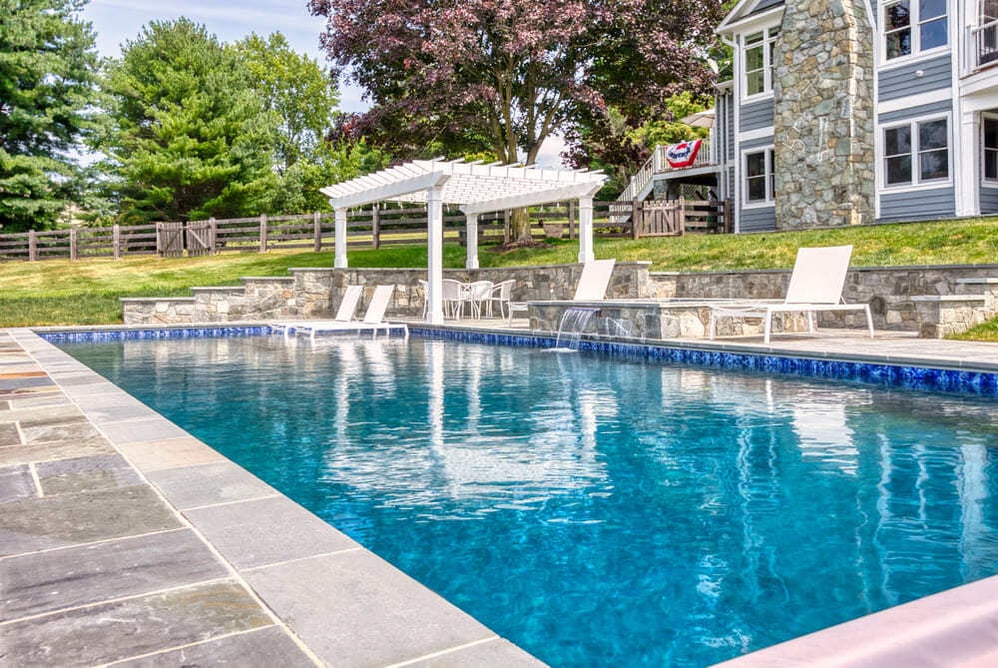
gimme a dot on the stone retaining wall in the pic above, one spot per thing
(888, 290)
(313, 293)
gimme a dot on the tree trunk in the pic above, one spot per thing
(521, 225)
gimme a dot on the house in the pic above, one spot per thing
(845, 112)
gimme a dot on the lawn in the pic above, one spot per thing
(86, 292)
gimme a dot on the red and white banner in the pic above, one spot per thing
(683, 154)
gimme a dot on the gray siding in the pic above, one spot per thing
(940, 107)
(729, 121)
(918, 204)
(901, 81)
(756, 115)
(989, 198)
(757, 220)
(761, 142)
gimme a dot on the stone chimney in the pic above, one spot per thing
(823, 115)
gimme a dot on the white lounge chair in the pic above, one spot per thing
(348, 305)
(816, 284)
(594, 280)
(373, 318)
(592, 285)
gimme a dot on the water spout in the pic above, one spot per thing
(574, 321)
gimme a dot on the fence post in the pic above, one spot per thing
(505, 226)
(32, 246)
(116, 241)
(263, 233)
(682, 216)
(637, 219)
(376, 226)
(571, 219)
(729, 226)
(213, 236)
(74, 253)
(317, 230)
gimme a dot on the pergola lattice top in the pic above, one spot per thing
(475, 187)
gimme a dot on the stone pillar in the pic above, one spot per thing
(823, 115)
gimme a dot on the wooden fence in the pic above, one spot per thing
(366, 228)
(665, 218)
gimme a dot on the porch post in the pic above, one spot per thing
(586, 230)
(340, 260)
(471, 239)
(435, 254)
(967, 139)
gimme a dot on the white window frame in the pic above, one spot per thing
(993, 181)
(769, 36)
(915, 23)
(916, 183)
(769, 157)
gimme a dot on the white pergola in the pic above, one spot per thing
(476, 189)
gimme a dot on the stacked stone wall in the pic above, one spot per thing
(824, 115)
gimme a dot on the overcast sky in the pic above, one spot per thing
(116, 21)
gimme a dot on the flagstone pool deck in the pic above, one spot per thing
(126, 541)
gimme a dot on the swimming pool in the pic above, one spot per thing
(600, 510)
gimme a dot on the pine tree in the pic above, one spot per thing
(187, 136)
(47, 72)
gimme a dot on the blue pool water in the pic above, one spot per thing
(600, 511)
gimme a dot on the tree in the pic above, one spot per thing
(47, 70)
(514, 71)
(294, 87)
(187, 136)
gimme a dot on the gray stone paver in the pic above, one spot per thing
(412, 621)
(208, 484)
(266, 531)
(260, 648)
(130, 627)
(59, 579)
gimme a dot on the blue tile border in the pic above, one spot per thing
(980, 383)
(108, 335)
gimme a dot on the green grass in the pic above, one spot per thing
(86, 292)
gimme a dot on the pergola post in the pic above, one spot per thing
(471, 239)
(586, 230)
(340, 260)
(435, 252)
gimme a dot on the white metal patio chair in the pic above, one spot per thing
(478, 294)
(816, 284)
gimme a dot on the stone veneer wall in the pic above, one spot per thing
(823, 115)
(313, 293)
(890, 291)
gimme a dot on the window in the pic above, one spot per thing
(760, 61)
(917, 152)
(912, 26)
(991, 148)
(759, 167)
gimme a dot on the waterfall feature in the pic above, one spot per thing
(574, 321)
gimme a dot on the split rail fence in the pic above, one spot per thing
(366, 228)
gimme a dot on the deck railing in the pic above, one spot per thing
(983, 44)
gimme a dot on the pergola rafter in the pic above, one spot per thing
(475, 188)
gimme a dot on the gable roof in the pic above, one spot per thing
(746, 9)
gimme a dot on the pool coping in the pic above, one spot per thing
(340, 603)
(953, 626)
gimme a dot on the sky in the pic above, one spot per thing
(117, 21)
